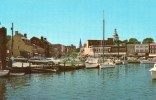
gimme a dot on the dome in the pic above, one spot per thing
(115, 33)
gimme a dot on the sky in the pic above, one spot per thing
(67, 21)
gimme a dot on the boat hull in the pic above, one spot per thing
(103, 65)
(17, 74)
(4, 73)
(153, 74)
(91, 65)
(147, 62)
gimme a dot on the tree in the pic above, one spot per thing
(133, 41)
(148, 40)
(73, 54)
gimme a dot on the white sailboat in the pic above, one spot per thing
(91, 63)
(153, 72)
(108, 63)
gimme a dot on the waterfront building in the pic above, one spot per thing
(111, 47)
(3, 32)
(37, 49)
(91, 43)
(131, 50)
(95, 48)
(118, 50)
(142, 49)
(42, 43)
(70, 48)
(21, 45)
(58, 50)
(152, 50)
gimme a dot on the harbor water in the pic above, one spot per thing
(124, 82)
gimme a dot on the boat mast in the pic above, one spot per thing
(12, 29)
(103, 35)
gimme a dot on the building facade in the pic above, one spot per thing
(152, 50)
(21, 46)
(142, 49)
(95, 48)
(44, 46)
(131, 50)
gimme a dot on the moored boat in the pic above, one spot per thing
(118, 62)
(91, 63)
(153, 72)
(17, 74)
(124, 62)
(4, 73)
(108, 63)
(148, 61)
(38, 60)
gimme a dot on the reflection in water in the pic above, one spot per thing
(3, 83)
(124, 82)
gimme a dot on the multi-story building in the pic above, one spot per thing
(58, 50)
(21, 45)
(42, 43)
(118, 50)
(3, 32)
(91, 43)
(152, 50)
(131, 50)
(142, 49)
(70, 48)
(95, 47)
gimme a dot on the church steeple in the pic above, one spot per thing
(80, 44)
(115, 36)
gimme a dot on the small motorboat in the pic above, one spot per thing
(3, 72)
(153, 72)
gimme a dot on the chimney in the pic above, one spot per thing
(25, 35)
(41, 38)
(45, 38)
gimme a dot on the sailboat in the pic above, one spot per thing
(106, 63)
(91, 62)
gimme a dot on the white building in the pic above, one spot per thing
(141, 49)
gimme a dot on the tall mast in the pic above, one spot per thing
(103, 35)
(12, 29)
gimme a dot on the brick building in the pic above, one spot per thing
(43, 45)
(3, 32)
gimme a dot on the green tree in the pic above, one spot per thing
(73, 54)
(133, 41)
(148, 40)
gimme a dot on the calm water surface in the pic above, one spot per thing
(125, 82)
